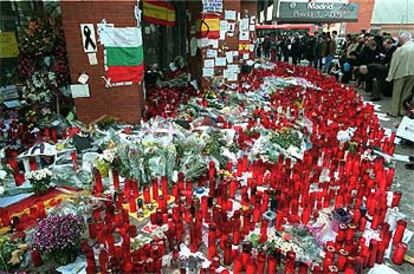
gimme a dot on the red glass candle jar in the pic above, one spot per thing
(303, 268)
(155, 190)
(399, 252)
(36, 257)
(261, 261)
(396, 199)
(373, 248)
(380, 252)
(251, 267)
(399, 231)
(237, 266)
(271, 265)
(290, 262)
(342, 259)
(115, 177)
(147, 197)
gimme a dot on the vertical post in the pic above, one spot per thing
(275, 11)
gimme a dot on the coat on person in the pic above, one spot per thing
(401, 72)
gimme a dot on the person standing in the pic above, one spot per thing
(317, 52)
(330, 50)
(402, 73)
(266, 46)
(295, 50)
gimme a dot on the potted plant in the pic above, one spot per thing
(40, 180)
(58, 237)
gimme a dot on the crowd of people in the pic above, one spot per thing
(381, 64)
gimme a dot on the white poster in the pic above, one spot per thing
(88, 37)
(406, 129)
(230, 15)
(79, 91)
(221, 61)
(208, 72)
(244, 36)
(209, 63)
(224, 25)
(229, 57)
(212, 5)
(244, 25)
(211, 53)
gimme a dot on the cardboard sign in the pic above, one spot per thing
(88, 37)
(406, 129)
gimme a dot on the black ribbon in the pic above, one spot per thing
(88, 39)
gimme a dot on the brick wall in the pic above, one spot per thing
(125, 103)
(364, 16)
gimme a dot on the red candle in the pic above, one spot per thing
(164, 186)
(212, 178)
(398, 253)
(155, 190)
(227, 253)
(115, 177)
(36, 257)
(238, 266)
(380, 252)
(147, 198)
(362, 223)
(98, 183)
(399, 231)
(290, 262)
(271, 265)
(251, 267)
(132, 205)
(342, 259)
(261, 261)
(373, 247)
(303, 268)
(74, 157)
(162, 203)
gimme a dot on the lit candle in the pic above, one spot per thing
(399, 231)
(399, 252)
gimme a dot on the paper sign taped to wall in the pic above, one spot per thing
(209, 63)
(88, 37)
(80, 91)
(229, 57)
(221, 61)
(230, 14)
(208, 72)
(211, 53)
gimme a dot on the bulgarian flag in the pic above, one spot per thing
(124, 54)
(159, 12)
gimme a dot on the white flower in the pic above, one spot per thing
(39, 175)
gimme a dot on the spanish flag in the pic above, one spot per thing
(159, 12)
(208, 26)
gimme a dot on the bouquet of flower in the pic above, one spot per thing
(58, 237)
(40, 87)
(11, 252)
(40, 180)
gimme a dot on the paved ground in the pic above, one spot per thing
(404, 181)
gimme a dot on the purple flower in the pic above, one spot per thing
(58, 232)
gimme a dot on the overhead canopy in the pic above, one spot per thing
(317, 12)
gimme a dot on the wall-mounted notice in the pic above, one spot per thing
(212, 5)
